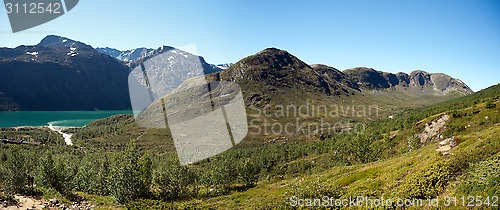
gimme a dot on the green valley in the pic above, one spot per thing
(116, 164)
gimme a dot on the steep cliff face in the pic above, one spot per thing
(61, 74)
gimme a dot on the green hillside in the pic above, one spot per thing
(276, 87)
(116, 164)
(403, 169)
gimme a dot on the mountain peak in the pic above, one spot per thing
(52, 38)
(275, 53)
(165, 48)
(360, 70)
(275, 68)
(277, 59)
(272, 50)
(419, 72)
(59, 41)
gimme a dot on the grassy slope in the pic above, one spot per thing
(115, 132)
(402, 174)
(472, 169)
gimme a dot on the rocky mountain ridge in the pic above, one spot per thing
(417, 80)
(136, 56)
(278, 68)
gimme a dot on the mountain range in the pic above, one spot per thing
(135, 56)
(63, 74)
(276, 75)
(277, 67)
(127, 55)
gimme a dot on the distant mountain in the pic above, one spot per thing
(417, 80)
(136, 56)
(224, 65)
(127, 55)
(110, 51)
(61, 74)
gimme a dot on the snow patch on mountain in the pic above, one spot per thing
(32, 53)
(224, 65)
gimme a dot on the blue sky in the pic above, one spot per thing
(459, 38)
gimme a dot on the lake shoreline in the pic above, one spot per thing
(39, 127)
(26, 119)
(58, 129)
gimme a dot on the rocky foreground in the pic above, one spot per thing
(30, 203)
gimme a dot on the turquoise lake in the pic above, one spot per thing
(56, 118)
